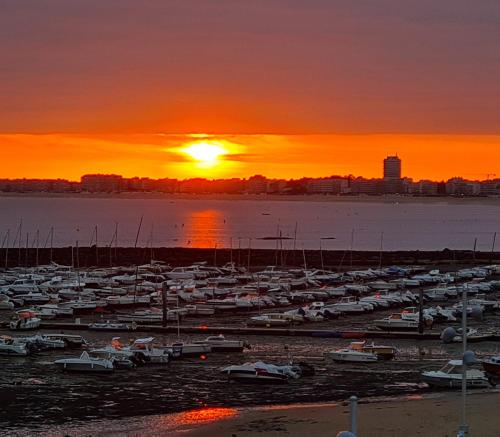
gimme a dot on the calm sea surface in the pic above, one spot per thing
(426, 225)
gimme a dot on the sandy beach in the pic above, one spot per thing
(436, 415)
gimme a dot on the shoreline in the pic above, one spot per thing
(436, 414)
(260, 197)
(433, 414)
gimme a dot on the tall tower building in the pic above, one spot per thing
(393, 184)
(392, 168)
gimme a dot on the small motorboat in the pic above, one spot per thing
(396, 322)
(112, 326)
(260, 372)
(191, 349)
(42, 342)
(11, 346)
(349, 355)
(146, 350)
(24, 321)
(86, 363)
(450, 376)
(5, 303)
(72, 341)
(275, 319)
(219, 343)
(492, 368)
(382, 352)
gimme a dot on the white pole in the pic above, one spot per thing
(354, 415)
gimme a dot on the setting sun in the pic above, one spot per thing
(206, 153)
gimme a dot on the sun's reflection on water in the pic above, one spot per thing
(188, 419)
(204, 228)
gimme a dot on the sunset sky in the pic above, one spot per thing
(285, 88)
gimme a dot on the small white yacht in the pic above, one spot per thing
(275, 319)
(43, 342)
(396, 322)
(85, 363)
(151, 354)
(24, 321)
(191, 349)
(260, 372)
(219, 343)
(11, 346)
(450, 376)
(351, 355)
(112, 326)
(5, 303)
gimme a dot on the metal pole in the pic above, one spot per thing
(164, 304)
(464, 428)
(381, 250)
(352, 245)
(421, 312)
(354, 415)
(249, 251)
(321, 255)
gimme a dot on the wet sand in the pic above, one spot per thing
(435, 416)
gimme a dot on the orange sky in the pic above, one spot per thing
(435, 157)
(294, 88)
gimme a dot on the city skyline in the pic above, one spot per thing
(391, 181)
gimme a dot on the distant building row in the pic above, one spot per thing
(335, 185)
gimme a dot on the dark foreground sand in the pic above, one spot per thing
(435, 416)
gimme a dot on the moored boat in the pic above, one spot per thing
(450, 376)
(24, 321)
(492, 368)
(11, 346)
(219, 343)
(349, 355)
(72, 341)
(395, 322)
(260, 372)
(112, 326)
(85, 363)
(382, 352)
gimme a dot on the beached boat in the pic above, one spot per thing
(396, 322)
(144, 347)
(260, 372)
(121, 358)
(112, 326)
(382, 352)
(450, 376)
(24, 321)
(492, 368)
(6, 303)
(219, 343)
(191, 349)
(85, 363)
(42, 342)
(72, 341)
(11, 346)
(275, 319)
(350, 355)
